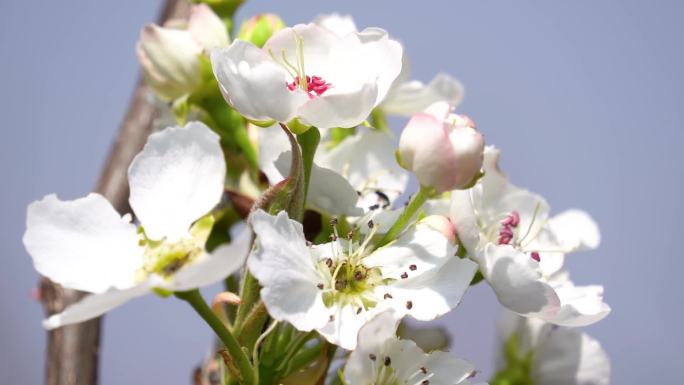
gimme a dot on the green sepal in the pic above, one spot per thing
(201, 229)
(297, 127)
(338, 135)
(262, 123)
(180, 109)
(397, 157)
(474, 181)
(164, 293)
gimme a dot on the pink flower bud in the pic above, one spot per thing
(169, 55)
(443, 150)
(441, 224)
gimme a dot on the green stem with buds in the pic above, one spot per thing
(404, 219)
(240, 359)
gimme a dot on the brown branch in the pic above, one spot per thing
(72, 351)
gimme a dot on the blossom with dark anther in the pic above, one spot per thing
(380, 358)
(86, 245)
(338, 286)
(521, 249)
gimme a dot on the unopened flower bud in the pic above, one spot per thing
(443, 150)
(169, 55)
(259, 28)
(441, 224)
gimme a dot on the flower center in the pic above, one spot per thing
(347, 280)
(508, 232)
(312, 85)
(165, 258)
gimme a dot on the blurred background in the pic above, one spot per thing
(584, 98)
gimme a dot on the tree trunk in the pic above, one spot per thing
(73, 351)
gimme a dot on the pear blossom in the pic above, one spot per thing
(521, 249)
(358, 175)
(406, 97)
(308, 72)
(381, 358)
(338, 286)
(546, 354)
(170, 55)
(84, 244)
(443, 150)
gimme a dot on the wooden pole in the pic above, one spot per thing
(73, 351)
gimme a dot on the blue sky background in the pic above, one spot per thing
(584, 98)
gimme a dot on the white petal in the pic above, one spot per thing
(176, 179)
(435, 293)
(371, 340)
(368, 162)
(517, 282)
(436, 279)
(255, 85)
(382, 59)
(464, 218)
(344, 323)
(82, 244)
(215, 266)
(347, 109)
(272, 143)
(448, 369)
(329, 192)
(94, 305)
(207, 28)
(420, 245)
(575, 230)
(565, 356)
(412, 97)
(580, 305)
(285, 269)
(340, 25)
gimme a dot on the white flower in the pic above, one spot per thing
(359, 174)
(86, 245)
(381, 358)
(552, 355)
(443, 150)
(309, 72)
(507, 230)
(405, 97)
(169, 56)
(337, 287)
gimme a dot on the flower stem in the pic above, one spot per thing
(308, 141)
(404, 219)
(246, 372)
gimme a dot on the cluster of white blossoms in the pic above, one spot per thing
(289, 136)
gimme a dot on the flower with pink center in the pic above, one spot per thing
(443, 150)
(521, 248)
(345, 76)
